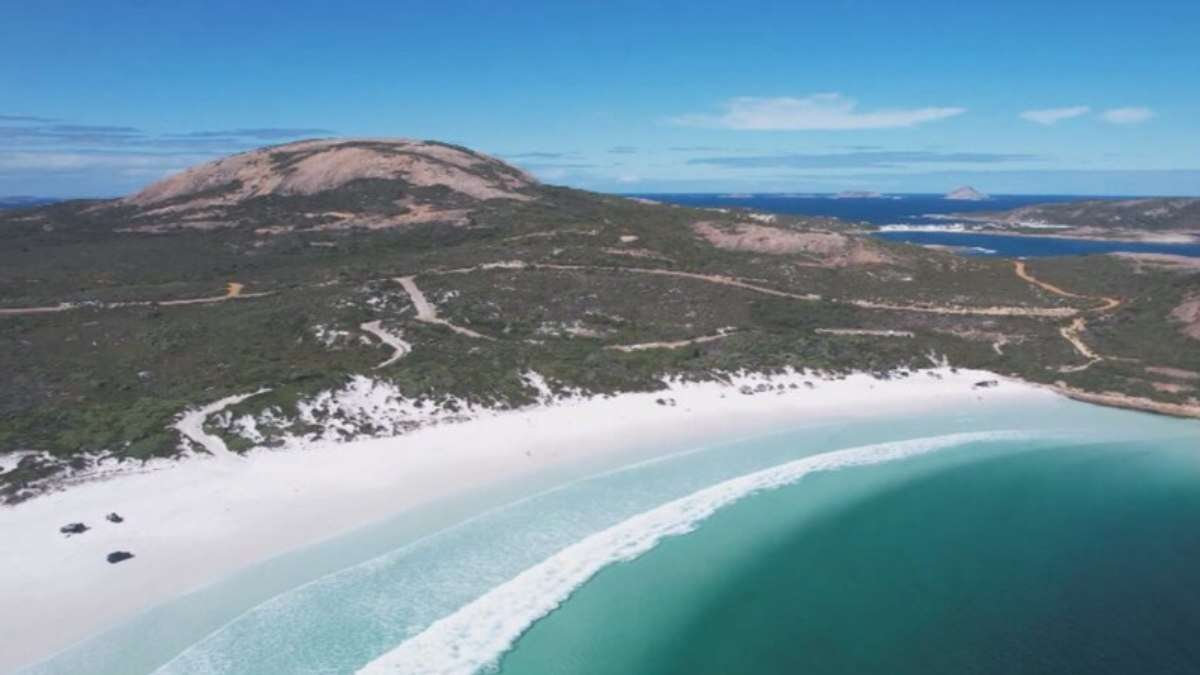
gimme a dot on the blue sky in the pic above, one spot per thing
(1103, 97)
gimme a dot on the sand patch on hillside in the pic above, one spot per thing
(1177, 373)
(1188, 314)
(832, 248)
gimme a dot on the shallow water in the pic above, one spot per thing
(342, 605)
(1008, 246)
(906, 208)
(921, 209)
(1032, 557)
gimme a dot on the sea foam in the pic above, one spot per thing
(478, 634)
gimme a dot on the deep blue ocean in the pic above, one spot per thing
(922, 209)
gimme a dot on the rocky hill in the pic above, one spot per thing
(311, 185)
(341, 289)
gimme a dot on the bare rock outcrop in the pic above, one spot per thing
(327, 184)
(310, 167)
(828, 248)
(1188, 314)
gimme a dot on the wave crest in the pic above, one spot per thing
(475, 636)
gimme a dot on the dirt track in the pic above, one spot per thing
(427, 313)
(1056, 312)
(1073, 332)
(1023, 271)
(233, 291)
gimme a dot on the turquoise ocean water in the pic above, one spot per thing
(1050, 536)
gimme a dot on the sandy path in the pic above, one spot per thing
(191, 425)
(865, 331)
(233, 291)
(1053, 312)
(676, 344)
(18, 311)
(1056, 312)
(710, 278)
(428, 313)
(1022, 271)
(396, 342)
(1072, 333)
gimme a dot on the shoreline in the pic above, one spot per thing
(201, 520)
(1126, 402)
(988, 226)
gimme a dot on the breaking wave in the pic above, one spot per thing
(475, 636)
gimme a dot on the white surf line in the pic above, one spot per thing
(172, 665)
(676, 344)
(427, 313)
(191, 425)
(477, 635)
(392, 340)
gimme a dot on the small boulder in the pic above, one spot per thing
(114, 518)
(73, 528)
(118, 556)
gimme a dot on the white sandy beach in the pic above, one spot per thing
(199, 520)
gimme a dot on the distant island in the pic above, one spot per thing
(966, 193)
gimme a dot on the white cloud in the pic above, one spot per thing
(1134, 115)
(1052, 115)
(817, 112)
(83, 161)
(548, 173)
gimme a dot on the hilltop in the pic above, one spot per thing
(339, 289)
(312, 185)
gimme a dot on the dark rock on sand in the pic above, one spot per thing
(73, 528)
(114, 518)
(118, 556)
